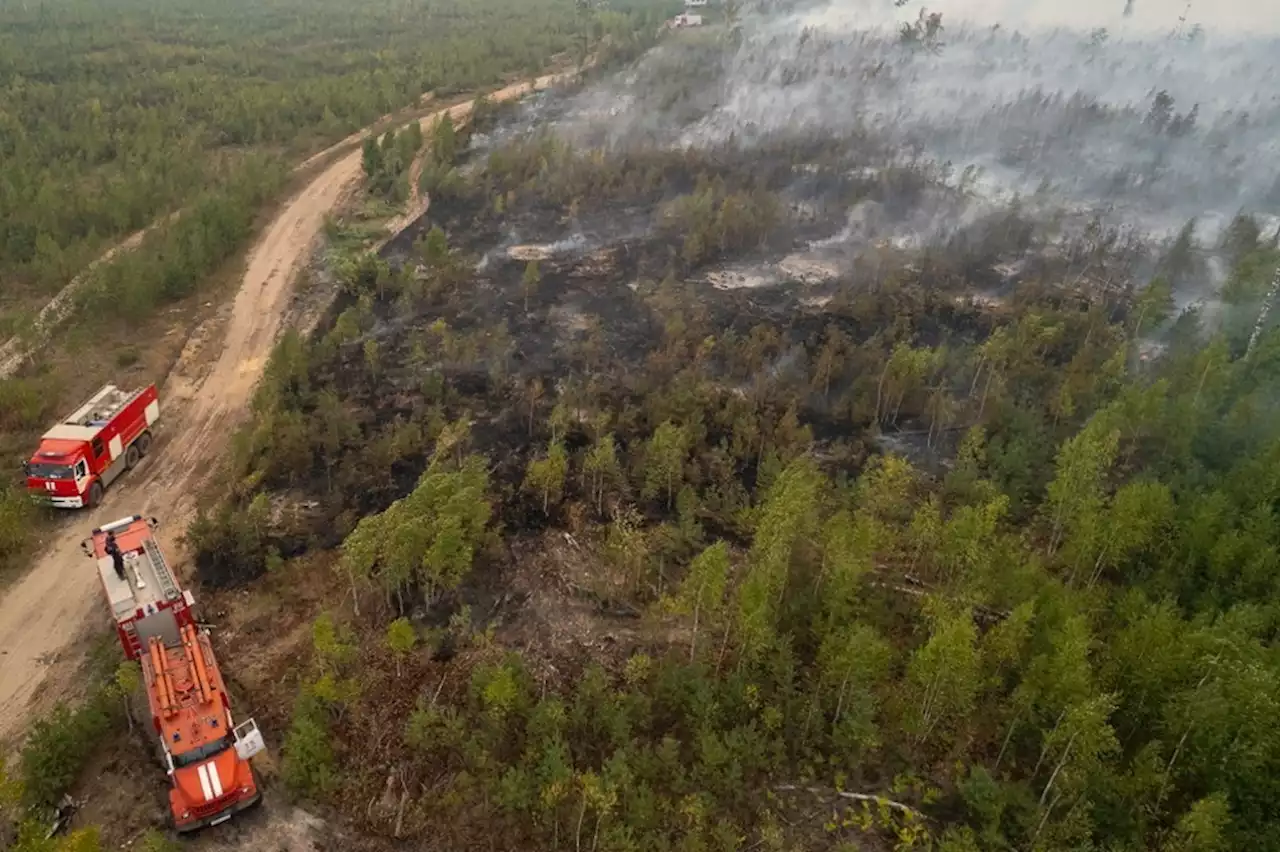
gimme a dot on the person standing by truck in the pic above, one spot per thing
(117, 558)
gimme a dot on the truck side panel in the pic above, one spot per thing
(123, 429)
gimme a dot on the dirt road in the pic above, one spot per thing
(44, 616)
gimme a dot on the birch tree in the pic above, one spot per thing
(1075, 496)
(601, 470)
(427, 539)
(1075, 749)
(702, 594)
(400, 640)
(1054, 680)
(849, 543)
(787, 517)
(853, 661)
(664, 458)
(1136, 515)
(943, 674)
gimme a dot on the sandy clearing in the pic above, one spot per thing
(46, 613)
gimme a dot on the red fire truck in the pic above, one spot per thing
(204, 752)
(82, 455)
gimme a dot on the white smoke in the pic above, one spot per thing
(1035, 95)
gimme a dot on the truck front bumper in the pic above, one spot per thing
(43, 499)
(221, 816)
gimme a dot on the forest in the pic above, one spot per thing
(620, 552)
(703, 473)
(113, 116)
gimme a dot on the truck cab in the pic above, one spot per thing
(58, 473)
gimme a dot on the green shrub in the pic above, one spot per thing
(15, 522)
(26, 403)
(58, 748)
(309, 766)
(156, 841)
(233, 544)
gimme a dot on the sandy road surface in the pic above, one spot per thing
(57, 603)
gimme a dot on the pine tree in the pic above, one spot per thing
(444, 142)
(529, 282)
(372, 158)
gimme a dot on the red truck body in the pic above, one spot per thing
(79, 457)
(204, 752)
(148, 602)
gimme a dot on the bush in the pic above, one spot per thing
(25, 403)
(309, 765)
(156, 841)
(233, 545)
(32, 836)
(59, 746)
(15, 522)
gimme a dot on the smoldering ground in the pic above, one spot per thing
(1011, 143)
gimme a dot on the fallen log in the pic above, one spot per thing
(856, 797)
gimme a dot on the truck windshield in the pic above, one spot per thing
(201, 754)
(41, 470)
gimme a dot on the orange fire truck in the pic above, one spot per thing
(79, 457)
(204, 752)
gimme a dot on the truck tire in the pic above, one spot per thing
(143, 444)
(95, 495)
(133, 455)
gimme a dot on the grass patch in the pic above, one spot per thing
(126, 358)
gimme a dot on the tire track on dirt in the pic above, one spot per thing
(45, 615)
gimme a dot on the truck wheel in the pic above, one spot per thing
(95, 495)
(143, 444)
(133, 455)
